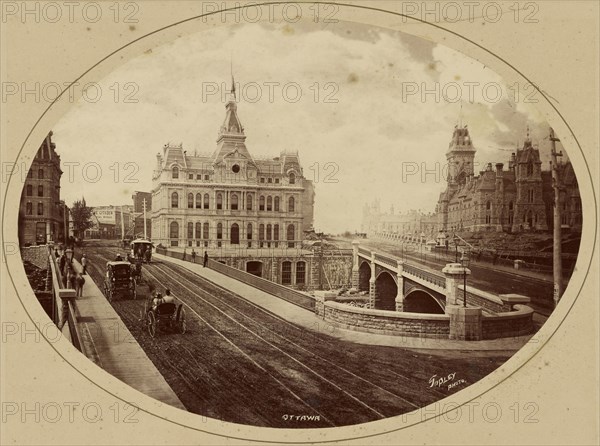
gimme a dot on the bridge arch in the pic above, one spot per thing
(386, 291)
(364, 275)
(420, 301)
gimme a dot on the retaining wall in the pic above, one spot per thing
(509, 324)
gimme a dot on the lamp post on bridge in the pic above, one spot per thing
(465, 261)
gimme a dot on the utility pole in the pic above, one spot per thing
(144, 204)
(557, 257)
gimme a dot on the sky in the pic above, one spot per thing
(348, 97)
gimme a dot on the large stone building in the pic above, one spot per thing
(42, 215)
(514, 200)
(517, 199)
(230, 199)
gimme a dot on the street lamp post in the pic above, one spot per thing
(455, 248)
(464, 261)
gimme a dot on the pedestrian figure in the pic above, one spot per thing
(71, 278)
(205, 259)
(193, 256)
(84, 263)
(184, 254)
(79, 281)
(55, 253)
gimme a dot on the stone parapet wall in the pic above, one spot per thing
(386, 322)
(511, 324)
(37, 255)
(487, 301)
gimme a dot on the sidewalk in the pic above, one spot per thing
(309, 320)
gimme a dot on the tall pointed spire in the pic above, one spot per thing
(232, 79)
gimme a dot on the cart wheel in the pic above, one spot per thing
(142, 319)
(181, 319)
(151, 324)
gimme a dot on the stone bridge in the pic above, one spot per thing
(397, 285)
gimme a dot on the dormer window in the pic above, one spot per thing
(175, 173)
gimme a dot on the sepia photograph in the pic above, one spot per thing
(290, 220)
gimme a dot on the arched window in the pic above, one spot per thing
(40, 191)
(488, 205)
(291, 204)
(174, 230)
(249, 232)
(286, 273)
(529, 168)
(292, 178)
(41, 174)
(261, 232)
(488, 219)
(276, 204)
(29, 210)
(190, 231)
(300, 273)
(234, 202)
(290, 235)
(190, 201)
(269, 228)
(175, 173)
(29, 190)
(249, 202)
(235, 234)
(261, 203)
(219, 231)
(174, 200)
(198, 230)
(276, 232)
(269, 203)
(205, 231)
(219, 201)
(198, 201)
(206, 201)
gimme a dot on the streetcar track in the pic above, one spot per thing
(287, 340)
(247, 356)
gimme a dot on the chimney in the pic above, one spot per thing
(499, 167)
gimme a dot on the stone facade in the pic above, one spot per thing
(517, 199)
(42, 215)
(230, 199)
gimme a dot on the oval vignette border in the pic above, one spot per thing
(359, 7)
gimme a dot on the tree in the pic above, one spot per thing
(82, 217)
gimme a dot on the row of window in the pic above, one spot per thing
(29, 190)
(286, 273)
(40, 174)
(29, 208)
(203, 202)
(202, 231)
(175, 176)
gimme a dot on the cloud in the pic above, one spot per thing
(351, 112)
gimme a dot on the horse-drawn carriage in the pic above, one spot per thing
(163, 316)
(119, 280)
(141, 249)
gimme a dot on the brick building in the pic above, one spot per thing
(42, 215)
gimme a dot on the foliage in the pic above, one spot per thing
(82, 217)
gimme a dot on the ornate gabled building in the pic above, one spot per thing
(230, 199)
(514, 200)
(43, 217)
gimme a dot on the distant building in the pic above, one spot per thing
(518, 199)
(42, 215)
(112, 220)
(139, 199)
(230, 199)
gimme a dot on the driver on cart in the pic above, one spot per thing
(118, 258)
(160, 299)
